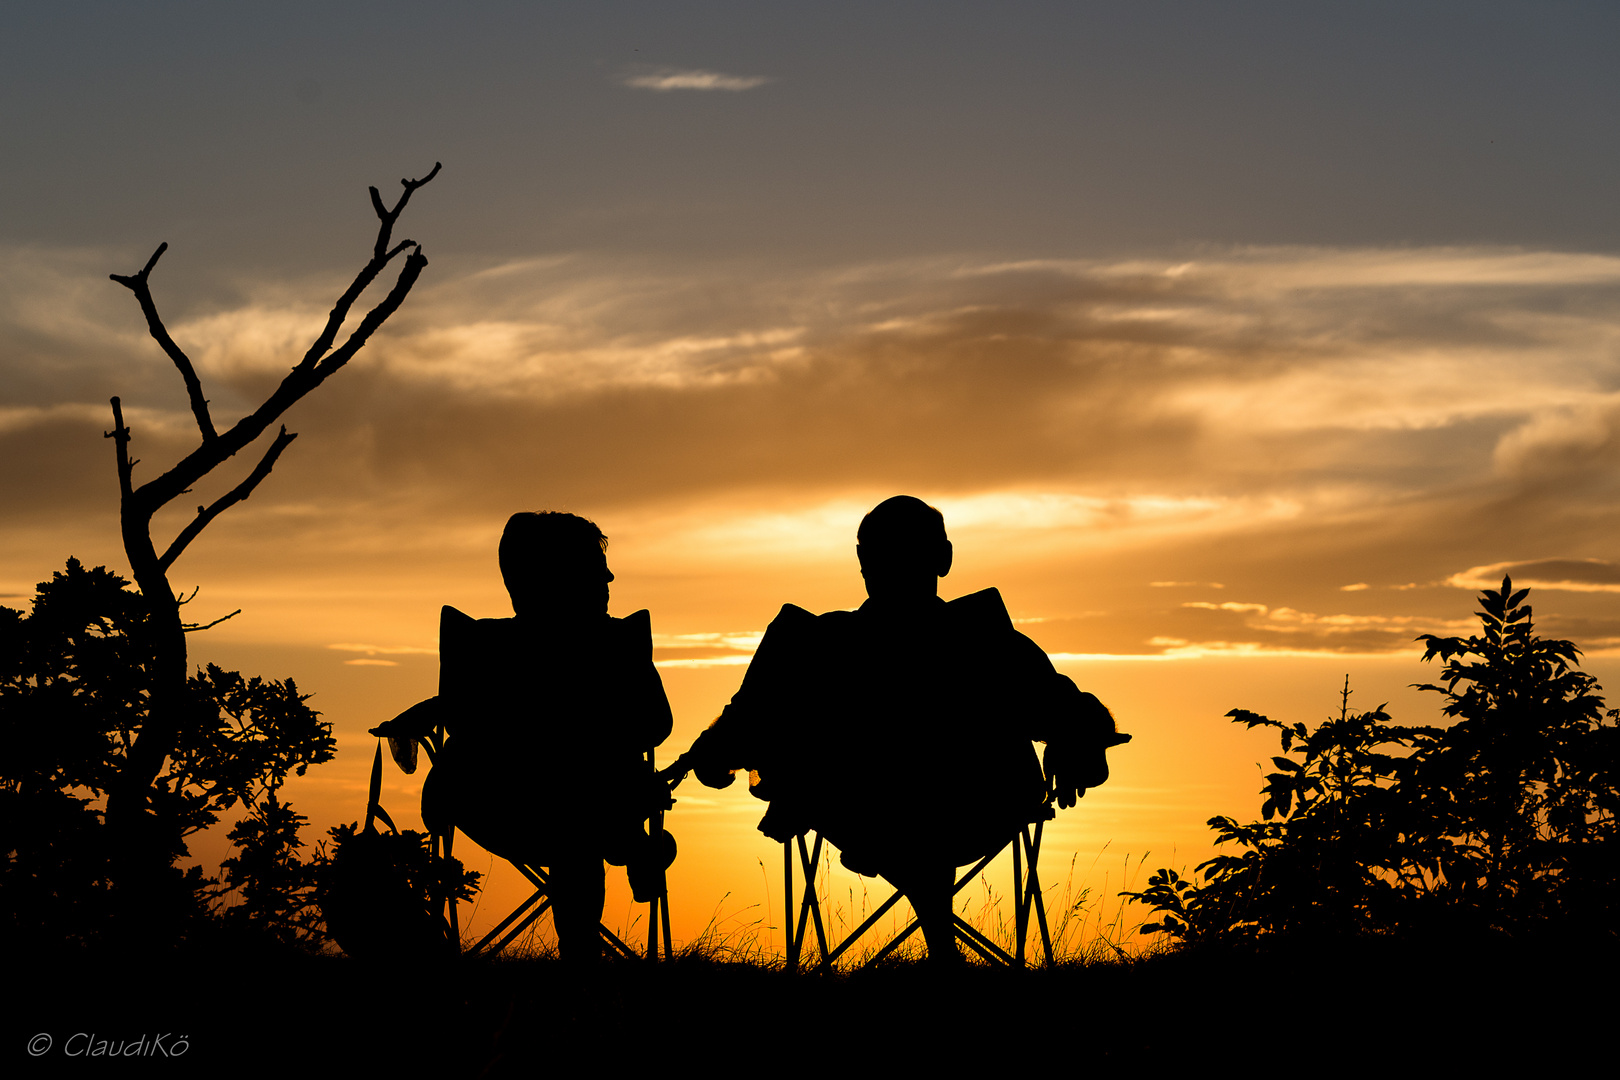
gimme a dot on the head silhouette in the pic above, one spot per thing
(555, 566)
(903, 550)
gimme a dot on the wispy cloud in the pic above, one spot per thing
(1308, 428)
(1573, 575)
(665, 79)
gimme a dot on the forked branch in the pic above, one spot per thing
(388, 217)
(225, 502)
(137, 284)
(381, 256)
(318, 362)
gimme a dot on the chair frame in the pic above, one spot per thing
(1026, 849)
(539, 901)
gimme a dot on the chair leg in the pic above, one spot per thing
(658, 906)
(871, 920)
(1035, 897)
(538, 878)
(791, 963)
(980, 944)
(1020, 897)
(898, 940)
(618, 946)
(1026, 898)
(810, 904)
(538, 897)
(658, 921)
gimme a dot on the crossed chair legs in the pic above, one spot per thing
(1026, 848)
(524, 915)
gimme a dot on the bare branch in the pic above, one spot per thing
(235, 495)
(377, 315)
(120, 437)
(388, 217)
(192, 628)
(306, 375)
(380, 257)
(137, 284)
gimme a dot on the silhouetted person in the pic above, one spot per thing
(549, 716)
(902, 731)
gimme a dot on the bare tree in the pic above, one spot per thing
(168, 702)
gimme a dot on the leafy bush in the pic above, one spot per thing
(1504, 820)
(276, 888)
(382, 893)
(75, 693)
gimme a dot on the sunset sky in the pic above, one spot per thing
(1237, 343)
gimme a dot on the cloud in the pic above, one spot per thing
(1259, 629)
(705, 649)
(1279, 421)
(663, 80)
(1574, 575)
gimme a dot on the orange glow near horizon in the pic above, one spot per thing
(1198, 486)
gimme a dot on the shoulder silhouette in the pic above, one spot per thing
(903, 731)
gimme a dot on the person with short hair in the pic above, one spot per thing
(903, 731)
(550, 714)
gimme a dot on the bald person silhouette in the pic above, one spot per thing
(903, 731)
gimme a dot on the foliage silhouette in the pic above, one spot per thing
(75, 689)
(389, 896)
(1504, 821)
(382, 893)
(276, 887)
(1527, 774)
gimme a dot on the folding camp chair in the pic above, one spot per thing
(422, 726)
(1026, 849)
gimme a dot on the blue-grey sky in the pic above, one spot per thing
(875, 130)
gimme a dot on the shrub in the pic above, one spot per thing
(1504, 820)
(75, 695)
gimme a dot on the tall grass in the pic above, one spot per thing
(1088, 920)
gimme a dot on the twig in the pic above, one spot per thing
(194, 627)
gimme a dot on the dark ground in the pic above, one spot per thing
(1378, 1005)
